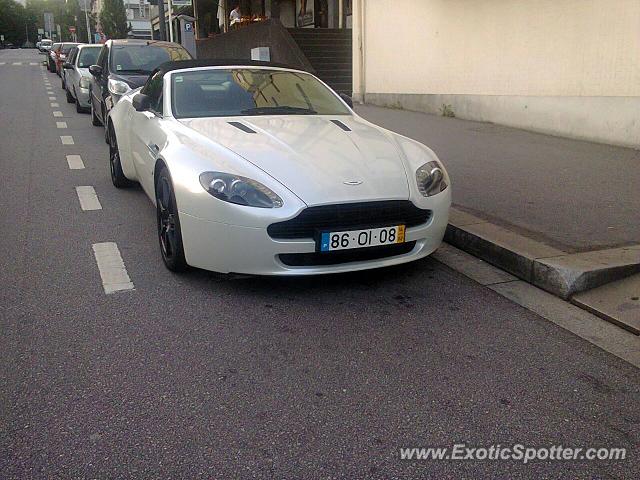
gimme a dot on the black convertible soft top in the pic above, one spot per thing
(180, 64)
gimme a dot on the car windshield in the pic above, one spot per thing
(240, 92)
(143, 59)
(45, 42)
(88, 56)
(66, 47)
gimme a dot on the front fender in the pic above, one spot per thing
(120, 118)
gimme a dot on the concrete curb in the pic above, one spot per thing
(560, 273)
(618, 302)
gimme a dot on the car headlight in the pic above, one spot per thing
(85, 82)
(432, 178)
(239, 190)
(117, 87)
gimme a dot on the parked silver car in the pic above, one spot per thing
(45, 45)
(76, 76)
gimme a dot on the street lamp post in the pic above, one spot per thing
(170, 5)
(163, 31)
(86, 16)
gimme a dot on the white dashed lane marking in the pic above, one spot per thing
(66, 140)
(57, 114)
(61, 124)
(112, 270)
(16, 63)
(55, 105)
(88, 198)
(3, 63)
(33, 63)
(52, 98)
(75, 162)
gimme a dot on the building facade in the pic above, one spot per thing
(139, 17)
(139, 13)
(212, 16)
(564, 67)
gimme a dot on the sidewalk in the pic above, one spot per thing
(577, 196)
(559, 213)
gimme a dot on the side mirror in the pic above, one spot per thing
(141, 102)
(67, 65)
(347, 99)
(95, 70)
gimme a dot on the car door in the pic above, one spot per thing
(70, 73)
(147, 136)
(95, 92)
(103, 81)
(73, 73)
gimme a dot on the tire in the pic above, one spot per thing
(70, 98)
(79, 109)
(117, 175)
(62, 83)
(95, 121)
(168, 221)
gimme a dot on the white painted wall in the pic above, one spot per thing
(506, 59)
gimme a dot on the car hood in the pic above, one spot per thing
(314, 157)
(134, 81)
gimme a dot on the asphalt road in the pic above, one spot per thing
(207, 376)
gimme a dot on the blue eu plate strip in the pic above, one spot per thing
(324, 242)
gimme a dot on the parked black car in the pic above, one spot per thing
(124, 65)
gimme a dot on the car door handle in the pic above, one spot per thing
(153, 148)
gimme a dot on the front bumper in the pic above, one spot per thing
(226, 248)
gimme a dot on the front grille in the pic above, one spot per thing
(349, 216)
(315, 259)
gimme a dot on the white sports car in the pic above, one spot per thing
(261, 169)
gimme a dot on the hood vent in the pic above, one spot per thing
(242, 127)
(341, 125)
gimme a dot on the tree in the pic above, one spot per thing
(74, 15)
(113, 19)
(13, 21)
(66, 13)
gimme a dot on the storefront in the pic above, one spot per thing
(212, 16)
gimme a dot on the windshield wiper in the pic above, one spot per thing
(283, 110)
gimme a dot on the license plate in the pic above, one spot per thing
(371, 237)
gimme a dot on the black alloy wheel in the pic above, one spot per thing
(79, 109)
(70, 98)
(95, 121)
(169, 232)
(115, 167)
